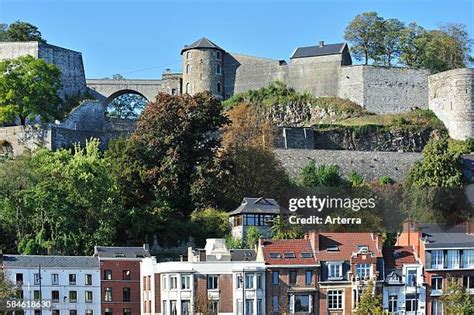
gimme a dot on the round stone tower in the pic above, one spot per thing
(203, 63)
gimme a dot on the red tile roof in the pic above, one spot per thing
(296, 246)
(395, 257)
(347, 244)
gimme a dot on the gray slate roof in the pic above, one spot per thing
(243, 255)
(439, 237)
(313, 51)
(121, 252)
(34, 261)
(201, 43)
(257, 206)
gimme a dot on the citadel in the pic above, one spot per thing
(321, 69)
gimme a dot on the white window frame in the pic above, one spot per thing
(454, 259)
(437, 259)
(337, 294)
(209, 277)
(436, 307)
(337, 270)
(249, 281)
(393, 304)
(438, 280)
(363, 270)
(189, 69)
(468, 258)
(185, 282)
(408, 276)
(36, 278)
(174, 282)
(54, 278)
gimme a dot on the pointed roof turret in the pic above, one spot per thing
(201, 43)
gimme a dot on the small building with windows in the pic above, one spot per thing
(120, 278)
(68, 285)
(257, 212)
(404, 290)
(214, 280)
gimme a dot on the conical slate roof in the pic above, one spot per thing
(201, 43)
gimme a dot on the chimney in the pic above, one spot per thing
(321, 43)
(469, 227)
(313, 237)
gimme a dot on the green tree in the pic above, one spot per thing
(28, 88)
(209, 223)
(252, 235)
(456, 299)
(3, 32)
(365, 33)
(281, 229)
(391, 42)
(370, 303)
(313, 175)
(7, 288)
(414, 39)
(178, 134)
(438, 168)
(126, 106)
(67, 203)
(23, 32)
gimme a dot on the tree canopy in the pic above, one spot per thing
(20, 32)
(28, 89)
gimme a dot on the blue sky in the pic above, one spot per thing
(139, 39)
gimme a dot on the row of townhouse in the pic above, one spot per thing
(324, 273)
(106, 283)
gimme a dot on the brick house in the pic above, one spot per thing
(291, 275)
(349, 261)
(214, 280)
(120, 278)
(446, 252)
(404, 290)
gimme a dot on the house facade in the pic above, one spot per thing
(120, 278)
(446, 253)
(68, 285)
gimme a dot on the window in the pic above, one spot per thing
(275, 255)
(410, 304)
(173, 308)
(36, 278)
(335, 299)
(19, 278)
(55, 296)
(74, 312)
(259, 281)
(453, 259)
(363, 270)
(72, 296)
(173, 92)
(392, 304)
(468, 258)
(275, 304)
(88, 279)
(214, 307)
(37, 312)
(108, 294)
(293, 275)
(219, 89)
(89, 312)
(54, 279)
(186, 282)
(411, 277)
(308, 277)
(259, 307)
(173, 282)
(239, 281)
(218, 55)
(126, 274)
(437, 283)
(275, 277)
(212, 282)
(19, 294)
(89, 297)
(249, 277)
(188, 88)
(436, 307)
(188, 69)
(127, 311)
(163, 282)
(437, 259)
(333, 248)
(218, 69)
(55, 312)
(126, 294)
(188, 55)
(72, 278)
(249, 307)
(185, 307)
(306, 255)
(289, 255)
(334, 270)
(301, 303)
(108, 311)
(468, 282)
(107, 274)
(36, 294)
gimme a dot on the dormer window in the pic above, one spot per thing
(334, 270)
(306, 255)
(275, 255)
(289, 255)
(333, 248)
(362, 248)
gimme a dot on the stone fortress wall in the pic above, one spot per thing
(73, 78)
(451, 98)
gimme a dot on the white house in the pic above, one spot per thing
(218, 280)
(68, 285)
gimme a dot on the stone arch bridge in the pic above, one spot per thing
(105, 90)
